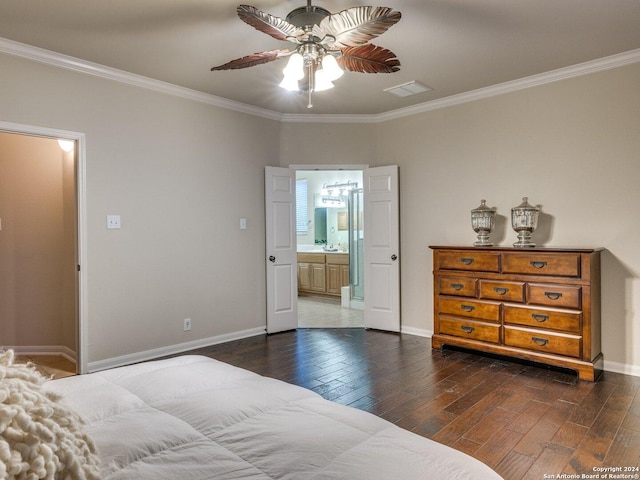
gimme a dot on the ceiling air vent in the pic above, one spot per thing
(408, 89)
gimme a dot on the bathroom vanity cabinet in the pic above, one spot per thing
(312, 273)
(323, 273)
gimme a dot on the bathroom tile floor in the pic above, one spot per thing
(50, 366)
(321, 312)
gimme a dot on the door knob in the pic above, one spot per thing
(394, 257)
(272, 258)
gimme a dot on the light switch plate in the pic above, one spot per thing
(243, 224)
(113, 222)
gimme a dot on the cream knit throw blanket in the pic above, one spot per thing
(39, 438)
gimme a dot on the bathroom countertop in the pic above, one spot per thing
(320, 250)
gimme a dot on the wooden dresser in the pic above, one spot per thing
(537, 304)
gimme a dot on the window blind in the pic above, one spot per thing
(302, 208)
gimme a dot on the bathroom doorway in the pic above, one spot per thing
(381, 216)
(329, 233)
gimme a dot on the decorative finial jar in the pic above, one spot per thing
(483, 219)
(524, 220)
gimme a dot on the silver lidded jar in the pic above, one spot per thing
(483, 220)
(524, 220)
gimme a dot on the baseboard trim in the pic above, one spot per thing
(623, 368)
(35, 350)
(608, 366)
(171, 350)
(419, 332)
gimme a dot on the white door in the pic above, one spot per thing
(381, 249)
(281, 256)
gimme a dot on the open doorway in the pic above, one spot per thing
(381, 219)
(40, 245)
(329, 234)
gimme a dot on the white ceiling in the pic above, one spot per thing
(453, 46)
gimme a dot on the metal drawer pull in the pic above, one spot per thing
(457, 286)
(540, 318)
(500, 290)
(540, 341)
(467, 261)
(467, 308)
(467, 329)
(538, 264)
(553, 295)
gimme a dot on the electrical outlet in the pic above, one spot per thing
(187, 324)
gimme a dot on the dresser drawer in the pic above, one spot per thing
(506, 291)
(470, 308)
(468, 260)
(543, 318)
(485, 332)
(464, 287)
(543, 341)
(559, 264)
(564, 296)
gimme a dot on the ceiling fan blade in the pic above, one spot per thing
(369, 58)
(253, 60)
(357, 25)
(269, 24)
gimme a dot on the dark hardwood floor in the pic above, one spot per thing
(525, 421)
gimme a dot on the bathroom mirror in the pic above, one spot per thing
(320, 225)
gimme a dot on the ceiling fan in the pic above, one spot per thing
(325, 44)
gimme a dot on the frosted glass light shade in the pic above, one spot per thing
(322, 82)
(295, 67)
(331, 67)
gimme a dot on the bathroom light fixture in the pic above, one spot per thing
(343, 188)
(66, 145)
(337, 202)
(333, 195)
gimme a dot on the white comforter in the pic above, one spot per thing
(193, 417)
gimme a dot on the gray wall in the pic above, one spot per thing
(572, 147)
(181, 174)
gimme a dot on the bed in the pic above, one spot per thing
(192, 417)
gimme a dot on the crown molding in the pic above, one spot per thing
(601, 64)
(328, 118)
(49, 57)
(56, 59)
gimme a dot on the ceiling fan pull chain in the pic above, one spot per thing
(311, 85)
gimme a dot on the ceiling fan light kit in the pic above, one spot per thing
(326, 44)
